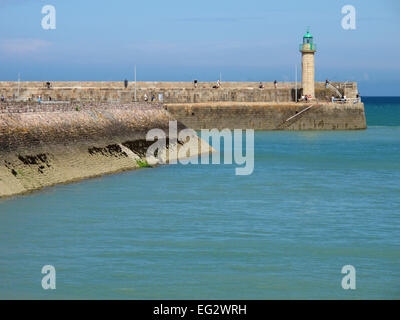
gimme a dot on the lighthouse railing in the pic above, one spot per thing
(308, 46)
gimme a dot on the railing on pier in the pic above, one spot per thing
(347, 100)
(290, 121)
(347, 85)
(330, 86)
(299, 113)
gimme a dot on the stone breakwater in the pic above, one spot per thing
(168, 92)
(270, 116)
(48, 144)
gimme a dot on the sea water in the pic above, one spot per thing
(317, 201)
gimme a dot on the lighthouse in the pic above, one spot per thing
(308, 49)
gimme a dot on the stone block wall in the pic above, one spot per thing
(168, 92)
(308, 74)
(269, 116)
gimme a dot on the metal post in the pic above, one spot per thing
(135, 83)
(19, 79)
(295, 98)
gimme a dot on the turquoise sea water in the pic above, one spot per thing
(316, 201)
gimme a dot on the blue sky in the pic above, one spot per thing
(184, 40)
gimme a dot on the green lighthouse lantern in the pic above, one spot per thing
(308, 42)
(308, 38)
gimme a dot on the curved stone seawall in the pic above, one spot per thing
(270, 116)
(42, 147)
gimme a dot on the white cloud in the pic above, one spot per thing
(4, 3)
(23, 46)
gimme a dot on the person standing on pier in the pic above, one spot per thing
(217, 85)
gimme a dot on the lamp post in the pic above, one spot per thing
(135, 83)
